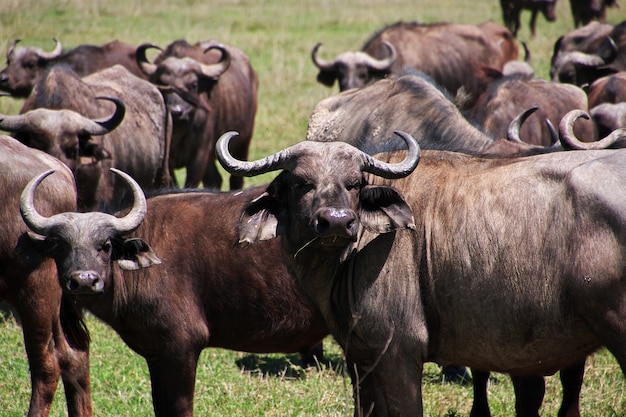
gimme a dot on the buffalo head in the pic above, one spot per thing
(23, 67)
(183, 81)
(353, 69)
(64, 134)
(84, 245)
(321, 199)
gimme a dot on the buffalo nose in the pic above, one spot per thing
(336, 222)
(85, 282)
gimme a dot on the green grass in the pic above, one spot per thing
(278, 36)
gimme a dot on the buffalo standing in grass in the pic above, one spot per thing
(169, 278)
(469, 292)
(452, 54)
(53, 338)
(209, 89)
(56, 119)
(511, 10)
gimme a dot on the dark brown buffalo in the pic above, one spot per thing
(25, 64)
(29, 282)
(512, 9)
(449, 53)
(51, 121)
(609, 89)
(584, 11)
(507, 97)
(209, 89)
(367, 118)
(200, 290)
(588, 53)
(432, 269)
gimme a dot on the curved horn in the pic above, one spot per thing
(137, 213)
(12, 123)
(385, 63)
(570, 141)
(281, 159)
(554, 135)
(247, 168)
(512, 133)
(11, 49)
(216, 70)
(320, 63)
(35, 221)
(104, 126)
(146, 66)
(55, 53)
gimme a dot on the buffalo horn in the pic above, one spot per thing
(11, 49)
(135, 216)
(570, 141)
(283, 159)
(216, 70)
(512, 133)
(319, 62)
(107, 125)
(55, 53)
(42, 225)
(12, 123)
(146, 66)
(385, 63)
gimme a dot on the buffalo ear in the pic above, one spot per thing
(383, 210)
(327, 78)
(263, 218)
(136, 254)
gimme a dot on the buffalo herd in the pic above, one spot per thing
(396, 226)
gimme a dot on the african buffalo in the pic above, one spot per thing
(511, 10)
(209, 88)
(584, 11)
(432, 269)
(138, 145)
(447, 52)
(609, 89)
(506, 98)
(199, 291)
(367, 117)
(29, 282)
(608, 117)
(588, 53)
(25, 64)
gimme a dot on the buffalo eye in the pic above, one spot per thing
(302, 186)
(193, 87)
(355, 185)
(106, 247)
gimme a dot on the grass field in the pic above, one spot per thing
(278, 36)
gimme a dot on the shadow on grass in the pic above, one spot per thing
(287, 366)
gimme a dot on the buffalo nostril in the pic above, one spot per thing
(336, 222)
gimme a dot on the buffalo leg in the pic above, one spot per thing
(529, 392)
(480, 405)
(173, 380)
(37, 327)
(572, 381)
(533, 22)
(74, 360)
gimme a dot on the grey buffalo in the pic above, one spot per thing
(443, 263)
(57, 118)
